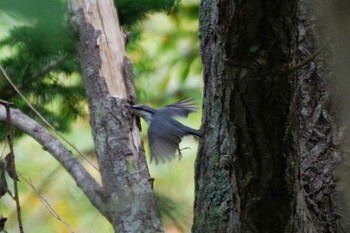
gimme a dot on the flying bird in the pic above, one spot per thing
(164, 132)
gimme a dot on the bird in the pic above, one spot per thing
(164, 132)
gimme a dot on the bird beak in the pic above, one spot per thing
(134, 107)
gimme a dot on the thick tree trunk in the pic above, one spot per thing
(126, 186)
(313, 188)
(265, 162)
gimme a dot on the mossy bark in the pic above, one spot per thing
(126, 192)
(265, 162)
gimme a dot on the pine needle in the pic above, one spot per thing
(44, 120)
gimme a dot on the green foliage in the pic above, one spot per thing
(166, 57)
(131, 11)
(171, 210)
(41, 56)
(51, 11)
(41, 61)
(167, 68)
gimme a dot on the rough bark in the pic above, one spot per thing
(314, 184)
(265, 162)
(126, 197)
(126, 189)
(337, 17)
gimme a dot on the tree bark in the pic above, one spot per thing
(126, 185)
(265, 162)
(125, 197)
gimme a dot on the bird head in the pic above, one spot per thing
(144, 111)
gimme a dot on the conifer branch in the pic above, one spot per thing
(50, 67)
(44, 120)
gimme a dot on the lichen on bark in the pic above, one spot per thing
(253, 117)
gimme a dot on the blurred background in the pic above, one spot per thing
(37, 51)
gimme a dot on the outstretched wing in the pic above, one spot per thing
(181, 108)
(164, 140)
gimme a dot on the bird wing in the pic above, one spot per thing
(181, 108)
(164, 140)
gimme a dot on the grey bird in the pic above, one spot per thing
(164, 132)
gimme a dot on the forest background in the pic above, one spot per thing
(38, 51)
(164, 49)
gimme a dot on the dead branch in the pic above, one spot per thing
(47, 204)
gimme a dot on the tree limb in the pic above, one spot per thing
(10, 162)
(40, 116)
(65, 157)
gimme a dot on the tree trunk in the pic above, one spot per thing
(265, 162)
(126, 185)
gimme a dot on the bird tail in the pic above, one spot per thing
(195, 132)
